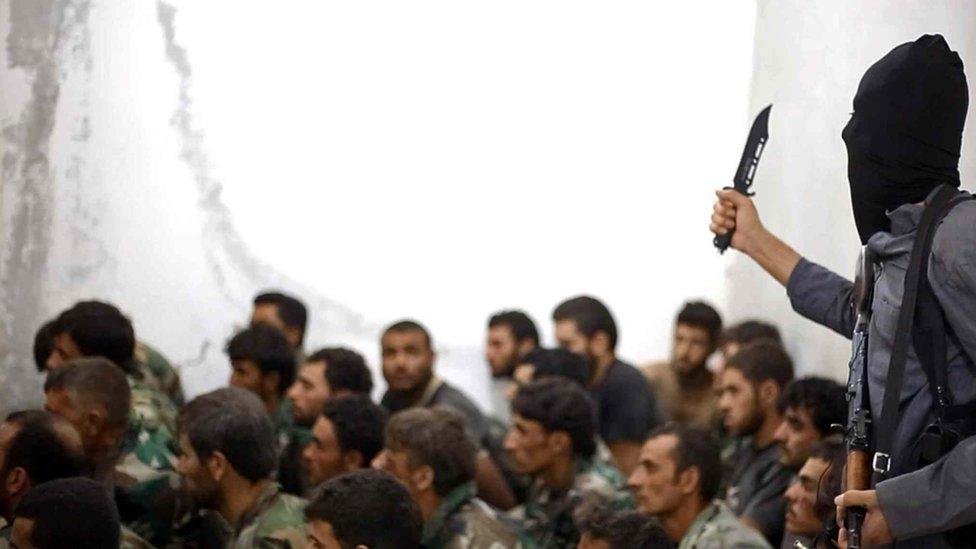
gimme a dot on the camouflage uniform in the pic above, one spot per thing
(4, 534)
(162, 375)
(144, 478)
(152, 422)
(275, 520)
(716, 527)
(462, 521)
(548, 517)
(147, 498)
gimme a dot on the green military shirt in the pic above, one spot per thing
(547, 516)
(275, 520)
(462, 521)
(152, 422)
(716, 527)
(161, 373)
(4, 533)
(146, 498)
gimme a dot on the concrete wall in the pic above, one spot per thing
(809, 58)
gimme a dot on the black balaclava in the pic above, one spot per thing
(905, 133)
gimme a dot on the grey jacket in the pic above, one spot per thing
(943, 495)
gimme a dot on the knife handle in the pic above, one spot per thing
(723, 241)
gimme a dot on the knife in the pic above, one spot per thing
(755, 144)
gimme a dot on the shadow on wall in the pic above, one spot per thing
(71, 225)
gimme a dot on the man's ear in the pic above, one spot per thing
(217, 465)
(560, 442)
(600, 343)
(524, 347)
(688, 480)
(16, 483)
(422, 478)
(353, 460)
(93, 422)
(769, 392)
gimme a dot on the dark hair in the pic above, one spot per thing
(368, 507)
(99, 329)
(291, 311)
(558, 362)
(521, 325)
(97, 381)
(701, 315)
(830, 450)
(824, 399)
(763, 360)
(748, 331)
(590, 315)
(408, 325)
(269, 349)
(434, 437)
(560, 405)
(43, 345)
(71, 512)
(235, 423)
(39, 450)
(696, 447)
(358, 424)
(625, 528)
(345, 369)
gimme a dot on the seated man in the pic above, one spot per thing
(227, 458)
(511, 335)
(96, 329)
(67, 512)
(284, 313)
(602, 529)
(810, 513)
(408, 365)
(683, 385)
(677, 481)
(262, 362)
(325, 374)
(428, 450)
(750, 386)
(345, 438)
(35, 447)
(93, 395)
(553, 439)
(365, 509)
(625, 405)
(809, 406)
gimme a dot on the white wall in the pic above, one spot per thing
(434, 159)
(809, 58)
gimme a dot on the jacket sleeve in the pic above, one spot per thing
(822, 296)
(946, 490)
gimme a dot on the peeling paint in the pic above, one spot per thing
(38, 33)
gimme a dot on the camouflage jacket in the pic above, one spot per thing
(161, 374)
(291, 470)
(152, 422)
(716, 527)
(275, 520)
(4, 533)
(147, 498)
(462, 521)
(547, 516)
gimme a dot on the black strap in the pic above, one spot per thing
(885, 428)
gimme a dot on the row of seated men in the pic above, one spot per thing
(295, 453)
